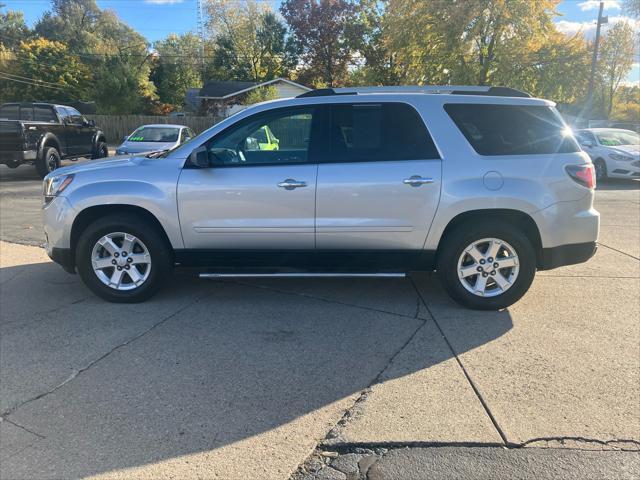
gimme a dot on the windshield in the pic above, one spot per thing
(614, 138)
(155, 134)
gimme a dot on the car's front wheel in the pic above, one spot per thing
(486, 265)
(601, 170)
(123, 258)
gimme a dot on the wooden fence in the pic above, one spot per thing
(117, 126)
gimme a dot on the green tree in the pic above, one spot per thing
(376, 59)
(468, 41)
(513, 43)
(117, 55)
(626, 106)
(72, 22)
(177, 67)
(615, 62)
(44, 70)
(261, 94)
(13, 28)
(323, 29)
(250, 43)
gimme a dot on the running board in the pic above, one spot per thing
(303, 275)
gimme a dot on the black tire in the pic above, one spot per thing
(48, 162)
(102, 151)
(453, 246)
(160, 252)
(601, 170)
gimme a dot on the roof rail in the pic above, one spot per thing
(433, 89)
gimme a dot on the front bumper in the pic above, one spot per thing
(63, 257)
(624, 169)
(57, 219)
(555, 257)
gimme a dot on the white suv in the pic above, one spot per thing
(485, 185)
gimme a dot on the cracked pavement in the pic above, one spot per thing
(326, 378)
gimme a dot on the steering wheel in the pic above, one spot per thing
(227, 155)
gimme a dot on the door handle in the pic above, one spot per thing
(417, 180)
(291, 184)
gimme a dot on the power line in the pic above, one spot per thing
(31, 83)
(27, 78)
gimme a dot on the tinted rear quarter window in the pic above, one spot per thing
(378, 132)
(512, 129)
(9, 112)
(43, 113)
(26, 112)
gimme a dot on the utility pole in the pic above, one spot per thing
(200, 25)
(594, 60)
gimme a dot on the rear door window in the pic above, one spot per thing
(26, 112)
(364, 132)
(512, 129)
(43, 113)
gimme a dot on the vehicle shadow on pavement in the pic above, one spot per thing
(618, 184)
(205, 374)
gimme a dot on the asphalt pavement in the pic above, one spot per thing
(321, 378)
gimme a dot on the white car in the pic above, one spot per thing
(615, 152)
(154, 138)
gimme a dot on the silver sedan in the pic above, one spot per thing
(154, 138)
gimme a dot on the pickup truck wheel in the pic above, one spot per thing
(48, 162)
(486, 265)
(123, 258)
(102, 151)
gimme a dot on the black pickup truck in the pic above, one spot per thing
(43, 134)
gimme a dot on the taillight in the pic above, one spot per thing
(585, 175)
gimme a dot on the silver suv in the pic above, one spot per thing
(483, 184)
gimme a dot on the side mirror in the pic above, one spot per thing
(200, 158)
(588, 144)
(92, 123)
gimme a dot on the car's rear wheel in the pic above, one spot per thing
(48, 161)
(601, 170)
(123, 258)
(486, 265)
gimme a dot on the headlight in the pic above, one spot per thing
(620, 158)
(55, 186)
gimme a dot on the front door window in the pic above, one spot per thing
(279, 138)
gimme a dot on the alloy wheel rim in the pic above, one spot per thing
(52, 163)
(121, 261)
(599, 170)
(488, 267)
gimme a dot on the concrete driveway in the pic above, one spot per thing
(325, 378)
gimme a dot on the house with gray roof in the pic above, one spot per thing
(227, 97)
